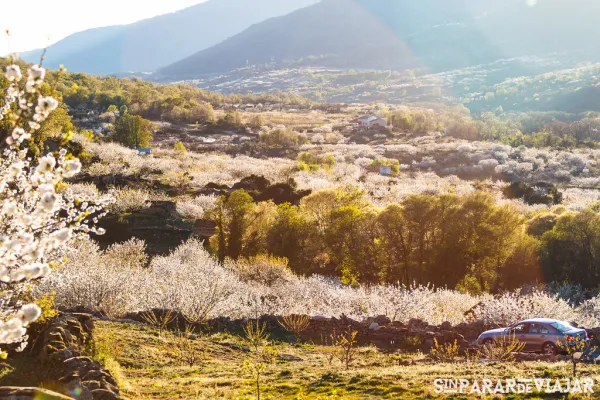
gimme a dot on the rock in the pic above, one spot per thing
(76, 386)
(92, 385)
(23, 393)
(60, 356)
(290, 357)
(281, 193)
(102, 394)
(446, 326)
(212, 185)
(447, 336)
(397, 324)
(427, 345)
(252, 183)
(382, 320)
(415, 323)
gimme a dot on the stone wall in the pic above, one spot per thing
(378, 331)
(75, 375)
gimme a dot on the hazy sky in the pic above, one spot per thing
(38, 23)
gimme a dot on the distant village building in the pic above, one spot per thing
(385, 170)
(371, 122)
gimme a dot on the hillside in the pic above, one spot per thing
(155, 42)
(390, 34)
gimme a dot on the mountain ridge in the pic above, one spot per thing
(398, 34)
(155, 42)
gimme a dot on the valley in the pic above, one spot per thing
(303, 199)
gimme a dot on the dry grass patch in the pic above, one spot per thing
(152, 372)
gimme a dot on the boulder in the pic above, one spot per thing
(446, 326)
(382, 320)
(427, 345)
(252, 183)
(281, 193)
(374, 326)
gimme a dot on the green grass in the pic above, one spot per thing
(150, 370)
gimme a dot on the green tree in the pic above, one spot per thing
(395, 242)
(350, 244)
(292, 236)
(231, 216)
(571, 250)
(133, 131)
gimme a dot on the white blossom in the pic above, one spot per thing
(13, 73)
(46, 164)
(72, 167)
(37, 73)
(29, 313)
(36, 222)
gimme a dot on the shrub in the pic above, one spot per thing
(130, 254)
(501, 348)
(257, 121)
(446, 353)
(128, 199)
(295, 323)
(232, 118)
(46, 304)
(282, 138)
(543, 193)
(577, 348)
(105, 345)
(159, 319)
(345, 343)
(263, 269)
(310, 162)
(256, 334)
(180, 147)
(187, 348)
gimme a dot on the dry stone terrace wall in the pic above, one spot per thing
(60, 347)
(75, 375)
(378, 331)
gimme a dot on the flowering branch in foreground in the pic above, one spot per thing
(38, 217)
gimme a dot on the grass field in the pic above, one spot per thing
(147, 366)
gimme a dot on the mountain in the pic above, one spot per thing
(394, 34)
(152, 43)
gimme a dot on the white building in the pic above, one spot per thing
(371, 121)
